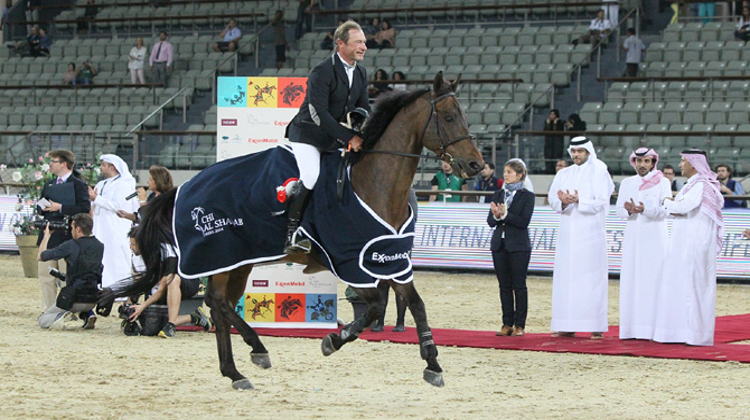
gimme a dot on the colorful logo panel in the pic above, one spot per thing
(262, 92)
(259, 307)
(290, 307)
(232, 92)
(320, 308)
(292, 91)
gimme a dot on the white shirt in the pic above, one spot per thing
(600, 25)
(232, 34)
(348, 68)
(634, 47)
(140, 57)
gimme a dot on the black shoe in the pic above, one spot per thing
(168, 331)
(90, 321)
(200, 319)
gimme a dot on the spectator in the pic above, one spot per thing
(83, 258)
(160, 60)
(371, 29)
(69, 77)
(61, 165)
(706, 11)
(44, 44)
(729, 186)
(108, 197)
(304, 18)
(510, 213)
(398, 76)
(634, 47)
(379, 84)
(136, 62)
(743, 27)
(4, 20)
(675, 184)
(230, 38)
(279, 37)
(561, 164)
(612, 11)
(159, 181)
(30, 46)
(171, 290)
(553, 144)
(327, 42)
(89, 14)
(574, 123)
(446, 180)
(85, 74)
(385, 38)
(598, 30)
(488, 181)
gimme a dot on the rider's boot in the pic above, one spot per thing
(299, 202)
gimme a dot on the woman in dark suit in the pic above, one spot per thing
(510, 213)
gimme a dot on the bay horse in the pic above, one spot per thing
(402, 124)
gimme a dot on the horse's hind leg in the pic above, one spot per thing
(375, 309)
(222, 296)
(433, 374)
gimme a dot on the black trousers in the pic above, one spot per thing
(510, 268)
(553, 151)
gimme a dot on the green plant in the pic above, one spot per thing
(22, 223)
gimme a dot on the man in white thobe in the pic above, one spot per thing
(686, 303)
(107, 198)
(645, 244)
(580, 193)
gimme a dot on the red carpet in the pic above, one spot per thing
(728, 329)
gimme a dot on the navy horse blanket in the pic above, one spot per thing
(225, 217)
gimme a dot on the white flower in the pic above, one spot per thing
(98, 171)
(37, 176)
(45, 167)
(3, 166)
(19, 206)
(17, 177)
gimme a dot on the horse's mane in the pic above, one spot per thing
(386, 107)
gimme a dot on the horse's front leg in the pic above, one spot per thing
(216, 299)
(235, 291)
(433, 374)
(375, 309)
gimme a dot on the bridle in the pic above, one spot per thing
(441, 135)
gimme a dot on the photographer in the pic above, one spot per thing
(83, 255)
(171, 290)
(85, 74)
(55, 191)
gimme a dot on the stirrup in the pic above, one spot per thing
(294, 246)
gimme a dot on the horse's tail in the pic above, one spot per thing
(154, 230)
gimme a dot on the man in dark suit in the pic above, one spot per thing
(62, 166)
(510, 213)
(335, 87)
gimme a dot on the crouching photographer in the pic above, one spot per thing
(83, 255)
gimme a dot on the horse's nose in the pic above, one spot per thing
(475, 167)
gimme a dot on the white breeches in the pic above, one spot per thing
(308, 161)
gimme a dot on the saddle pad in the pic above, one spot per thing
(224, 218)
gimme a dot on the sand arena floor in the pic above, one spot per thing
(102, 374)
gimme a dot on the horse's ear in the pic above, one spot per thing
(437, 84)
(454, 85)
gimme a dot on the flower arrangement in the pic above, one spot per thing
(33, 175)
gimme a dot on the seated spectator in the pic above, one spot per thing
(327, 42)
(385, 38)
(231, 36)
(83, 255)
(371, 29)
(85, 74)
(136, 61)
(598, 30)
(84, 22)
(379, 84)
(446, 180)
(396, 76)
(44, 44)
(29, 46)
(171, 290)
(743, 27)
(159, 181)
(729, 186)
(574, 123)
(69, 77)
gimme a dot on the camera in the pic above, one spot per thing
(125, 311)
(53, 224)
(56, 273)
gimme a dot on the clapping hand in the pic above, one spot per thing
(632, 208)
(498, 210)
(567, 198)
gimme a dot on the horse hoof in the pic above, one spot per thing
(242, 384)
(399, 328)
(261, 359)
(326, 346)
(433, 378)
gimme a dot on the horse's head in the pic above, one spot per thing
(446, 130)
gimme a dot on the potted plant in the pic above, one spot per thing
(26, 235)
